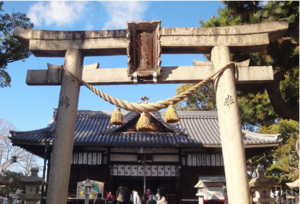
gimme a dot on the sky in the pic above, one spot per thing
(31, 107)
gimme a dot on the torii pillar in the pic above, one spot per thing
(220, 41)
(230, 128)
(64, 133)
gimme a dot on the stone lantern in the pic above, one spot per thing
(33, 183)
(87, 188)
(262, 185)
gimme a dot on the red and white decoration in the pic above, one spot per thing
(121, 171)
(161, 170)
(148, 170)
(134, 170)
(167, 170)
(138, 170)
(173, 170)
(127, 170)
(153, 170)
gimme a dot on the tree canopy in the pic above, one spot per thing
(15, 178)
(282, 54)
(266, 108)
(11, 49)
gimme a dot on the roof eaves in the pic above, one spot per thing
(159, 117)
(270, 137)
(31, 132)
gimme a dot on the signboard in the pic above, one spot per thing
(204, 160)
(194, 160)
(90, 158)
(213, 160)
(211, 188)
(199, 161)
(208, 160)
(98, 187)
(218, 163)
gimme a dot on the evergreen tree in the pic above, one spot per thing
(11, 49)
(282, 54)
(15, 178)
(265, 108)
(203, 99)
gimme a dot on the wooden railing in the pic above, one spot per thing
(171, 198)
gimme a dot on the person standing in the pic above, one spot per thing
(148, 193)
(162, 196)
(136, 197)
(121, 195)
(110, 198)
(99, 199)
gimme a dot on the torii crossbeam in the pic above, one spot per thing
(144, 42)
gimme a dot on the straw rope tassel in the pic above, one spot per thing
(171, 115)
(117, 117)
(143, 123)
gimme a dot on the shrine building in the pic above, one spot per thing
(177, 155)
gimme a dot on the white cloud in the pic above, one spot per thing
(89, 26)
(56, 12)
(122, 11)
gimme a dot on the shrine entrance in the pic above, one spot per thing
(144, 42)
(152, 183)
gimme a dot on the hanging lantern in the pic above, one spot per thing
(14, 159)
(143, 123)
(117, 117)
(171, 115)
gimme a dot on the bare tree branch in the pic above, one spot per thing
(25, 160)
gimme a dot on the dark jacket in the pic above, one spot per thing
(98, 201)
(151, 201)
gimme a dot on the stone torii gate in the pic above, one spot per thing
(144, 42)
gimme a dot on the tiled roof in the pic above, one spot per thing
(195, 129)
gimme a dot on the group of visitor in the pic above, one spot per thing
(134, 198)
(159, 198)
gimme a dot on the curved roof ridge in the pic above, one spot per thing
(273, 137)
(30, 132)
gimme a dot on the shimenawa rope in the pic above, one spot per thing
(140, 108)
